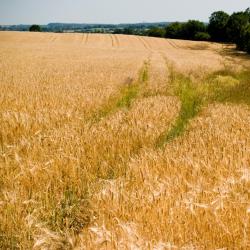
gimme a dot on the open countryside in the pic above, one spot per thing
(123, 142)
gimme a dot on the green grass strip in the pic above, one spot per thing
(224, 86)
(126, 96)
(191, 103)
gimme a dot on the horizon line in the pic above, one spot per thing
(100, 23)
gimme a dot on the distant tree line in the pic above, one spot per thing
(35, 28)
(221, 28)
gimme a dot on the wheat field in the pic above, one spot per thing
(123, 142)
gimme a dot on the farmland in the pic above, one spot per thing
(123, 142)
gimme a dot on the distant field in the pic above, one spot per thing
(123, 142)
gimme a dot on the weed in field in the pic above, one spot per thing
(71, 213)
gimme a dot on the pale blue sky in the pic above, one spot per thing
(112, 11)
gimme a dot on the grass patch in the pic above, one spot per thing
(233, 88)
(8, 241)
(126, 95)
(71, 213)
(223, 86)
(144, 75)
(191, 103)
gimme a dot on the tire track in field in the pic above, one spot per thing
(115, 41)
(159, 75)
(125, 100)
(83, 37)
(175, 44)
(191, 104)
(172, 44)
(144, 43)
(136, 148)
(112, 41)
(53, 38)
(86, 39)
(127, 94)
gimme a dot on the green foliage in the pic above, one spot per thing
(71, 213)
(192, 27)
(229, 86)
(186, 30)
(173, 30)
(236, 26)
(222, 28)
(217, 26)
(124, 100)
(128, 31)
(8, 241)
(191, 102)
(247, 39)
(35, 28)
(156, 32)
(127, 94)
(202, 36)
(222, 86)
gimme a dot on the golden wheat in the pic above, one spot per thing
(71, 181)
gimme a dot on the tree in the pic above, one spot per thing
(192, 27)
(248, 42)
(217, 26)
(156, 32)
(202, 36)
(35, 28)
(186, 30)
(246, 39)
(246, 36)
(247, 12)
(236, 25)
(174, 30)
(128, 31)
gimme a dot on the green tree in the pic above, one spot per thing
(202, 36)
(247, 12)
(156, 32)
(246, 39)
(128, 31)
(236, 27)
(217, 26)
(174, 30)
(35, 28)
(192, 27)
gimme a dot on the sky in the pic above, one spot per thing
(112, 11)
